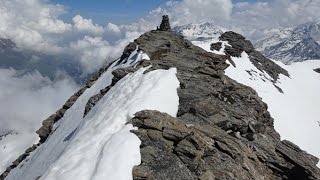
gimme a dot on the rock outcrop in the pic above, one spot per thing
(317, 70)
(239, 44)
(216, 46)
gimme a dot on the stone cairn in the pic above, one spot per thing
(165, 24)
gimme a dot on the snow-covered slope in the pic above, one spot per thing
(295, 111)
(204, 31)
(84, 148)
(294, 44)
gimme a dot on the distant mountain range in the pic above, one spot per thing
(293, 44)
(203, 31)
(288, 45)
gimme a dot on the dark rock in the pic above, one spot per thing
(239, 44)
(317, 70)
(126, 53)
(216, 46)
(208, 151)
(165, 24)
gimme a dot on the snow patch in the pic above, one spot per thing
(135, 56)
(207, 44)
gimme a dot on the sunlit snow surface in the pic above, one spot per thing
(296, 112)
(101, 146)
(13, 145)
(206, 45)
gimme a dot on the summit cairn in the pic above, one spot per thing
(165, 24)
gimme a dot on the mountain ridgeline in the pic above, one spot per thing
(222, 129)
(293, 44)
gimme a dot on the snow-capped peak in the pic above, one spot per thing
(293, 44)
(201, 31)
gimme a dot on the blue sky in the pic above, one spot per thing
(117, 11)
(102, 11)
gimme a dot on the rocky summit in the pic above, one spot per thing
(222, 130)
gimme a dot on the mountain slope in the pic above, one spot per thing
(291, 45)
(291, 100)
(193, 122)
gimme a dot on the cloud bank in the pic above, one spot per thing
(27, 100)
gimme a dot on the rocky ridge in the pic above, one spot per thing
(240, 44)
(222, 130)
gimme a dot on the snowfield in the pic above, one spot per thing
(100, 145)
(296, 111)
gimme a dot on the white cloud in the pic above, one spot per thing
(35, 25)
(260, 18)
(27, 100)
(28, 22)
(82, 24)
(191, 11)
(113, 28)
(92, 52)
(256, 19)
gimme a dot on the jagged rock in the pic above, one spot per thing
(206, 152)
(216, 46)
(239, 44)
(165, 24)
(317, 70)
